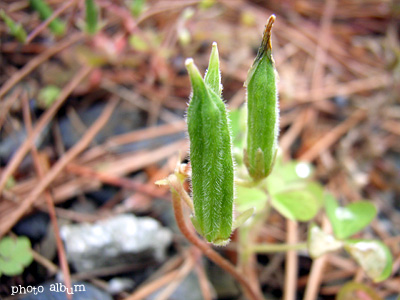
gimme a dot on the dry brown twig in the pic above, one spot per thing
(331, 137)
(156, 284)
(41, 124)
(6, 105)
(49, 200)
(58, 167)
(38, 60)
(292, 263)
(203, 280)
(44, 24)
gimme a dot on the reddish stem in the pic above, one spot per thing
(203, 246)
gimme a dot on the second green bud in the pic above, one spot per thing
(263, 110)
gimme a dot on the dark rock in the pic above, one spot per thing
(33, 226)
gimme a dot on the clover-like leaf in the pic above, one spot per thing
(350, 219)
(299, 204)
(14, 255)
(247, 198)
(373, 256)
(288, 176)
(320, 242)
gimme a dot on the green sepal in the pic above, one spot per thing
(196, 225)
(242, 218)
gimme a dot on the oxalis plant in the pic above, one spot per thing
(231, 159)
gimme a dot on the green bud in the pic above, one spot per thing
(263, 110)
(210, 154)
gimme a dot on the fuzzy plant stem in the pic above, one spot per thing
(176, 186)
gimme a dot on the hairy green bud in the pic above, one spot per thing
(210, 154)
(263, 110)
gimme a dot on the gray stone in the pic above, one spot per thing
(120, 240)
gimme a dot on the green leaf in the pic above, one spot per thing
(10, 267)
(320, 242)
(6, 246)
(247, 198)
(22, 251)
(14, 255)
(350, 219)
(356, 291)
(286, 176)
(299, 204)
(373, 256)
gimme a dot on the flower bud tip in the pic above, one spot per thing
(188, 62)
